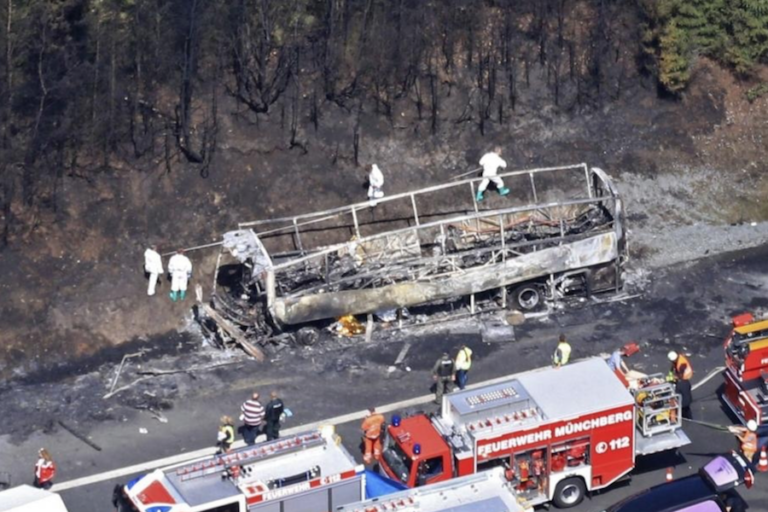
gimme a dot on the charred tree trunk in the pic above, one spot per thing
(8, 117)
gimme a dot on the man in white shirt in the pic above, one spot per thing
(375, 182)
(153, 265)
(491, 163)
(180, 269)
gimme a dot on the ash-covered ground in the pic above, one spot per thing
(73, 304)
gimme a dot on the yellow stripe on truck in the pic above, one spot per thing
(757, 326)
(759, 344)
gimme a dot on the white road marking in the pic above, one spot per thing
(338, 420)
(188, 456)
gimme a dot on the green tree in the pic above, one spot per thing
(674, 61)
(749, 43)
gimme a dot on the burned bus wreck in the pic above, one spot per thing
(559, 233)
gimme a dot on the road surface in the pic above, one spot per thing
(686, 307)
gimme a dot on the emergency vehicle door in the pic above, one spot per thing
(433, 470)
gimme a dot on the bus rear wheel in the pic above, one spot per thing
(528, 297)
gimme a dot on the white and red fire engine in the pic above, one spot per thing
(309, 472)
(486, 491)
(558, 431)
(746, 369)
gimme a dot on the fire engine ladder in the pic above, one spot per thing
(249, 455)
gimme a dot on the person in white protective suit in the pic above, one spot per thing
(180, 269)
(153, 265)
(375, 183)
(491, 163)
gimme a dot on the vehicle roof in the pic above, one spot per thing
(200, 482)
(421, 428)
(570, 390)
(667, 497)
(15, 498)
(484, 491)
(760, 325)
(549, 393)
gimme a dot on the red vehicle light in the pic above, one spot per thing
(743, 319)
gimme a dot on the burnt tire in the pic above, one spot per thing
(569, 492)
(528, 297)
(307, 336)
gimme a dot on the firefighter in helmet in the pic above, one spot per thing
(371, 427)
(748, 438)
(676, 370)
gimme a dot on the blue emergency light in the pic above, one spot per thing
(416, 449)
(395, 420)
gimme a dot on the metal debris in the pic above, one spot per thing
(567, 239)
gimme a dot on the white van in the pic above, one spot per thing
(26, 498)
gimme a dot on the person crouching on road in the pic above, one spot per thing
(562, 353)
(462, 364)
(45, 470)
(226, 435)
(443, 375)
(616, 361)
(371, 427)
(180, 269)
(253, 419)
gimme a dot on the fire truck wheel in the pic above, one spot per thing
(569, 492)
(527, 297)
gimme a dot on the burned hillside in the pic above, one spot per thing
(117, 134)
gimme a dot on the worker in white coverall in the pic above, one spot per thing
(375, 183)
(491, 163)
(153, 265)
(180, 269)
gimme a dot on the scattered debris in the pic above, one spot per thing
(155, 372)
(515, 317)
(80, 436)
(123, 388)
(403, 353)
(569, 241)
(369, 328)
(140, 353)
(348, 325)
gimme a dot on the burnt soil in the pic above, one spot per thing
(73, 298)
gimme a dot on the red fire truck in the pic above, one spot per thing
(746, 369)
(558, 431)
(309, 472)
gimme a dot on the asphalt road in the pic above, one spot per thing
(687, 308)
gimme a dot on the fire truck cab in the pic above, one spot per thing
(746, 369)
(309, 472)
(486, 491)
(558, 431)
